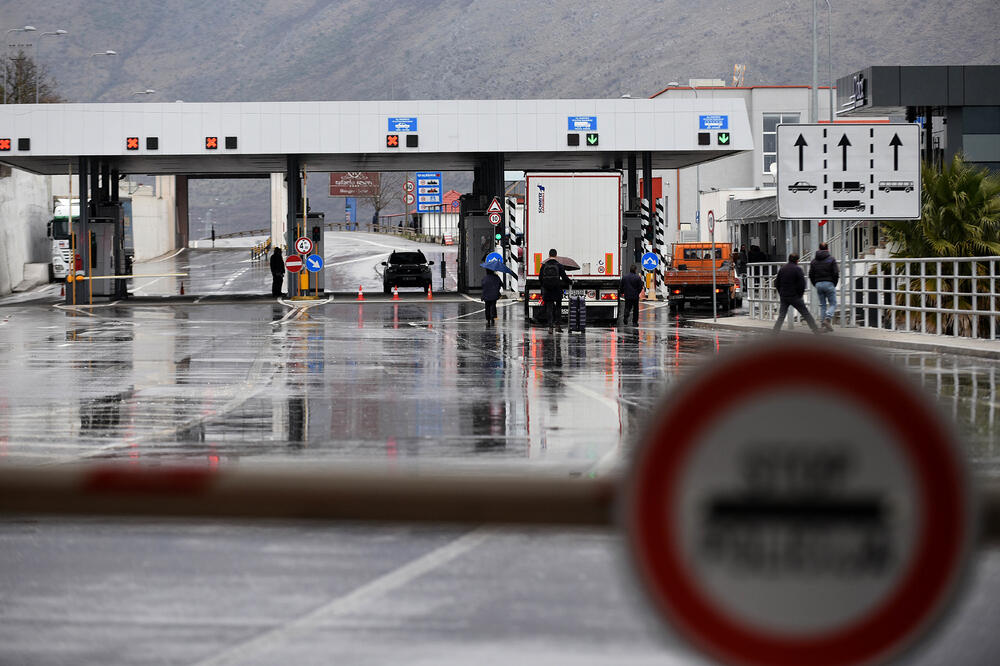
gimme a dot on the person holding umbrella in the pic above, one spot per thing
(491, 294)
(553, 277)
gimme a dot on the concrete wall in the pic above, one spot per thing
(25, 208)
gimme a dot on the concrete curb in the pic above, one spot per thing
(859, 335)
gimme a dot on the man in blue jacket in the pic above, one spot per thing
(791, 284)
(631, 289)
(824, 274)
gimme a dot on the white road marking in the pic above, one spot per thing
(350, 602)
(169, 256)
(351, 261)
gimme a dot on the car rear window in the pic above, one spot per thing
(407, 258)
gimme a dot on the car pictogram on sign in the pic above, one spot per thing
(802, 186)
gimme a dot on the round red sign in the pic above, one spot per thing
(294, 263)
(814, 511)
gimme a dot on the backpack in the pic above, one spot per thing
(549, 275)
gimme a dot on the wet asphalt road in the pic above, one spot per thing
(254, 381)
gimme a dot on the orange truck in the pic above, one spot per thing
(688, 276)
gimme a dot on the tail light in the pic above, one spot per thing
(677, 291)
(718, 291)
(609, 296)
(534, 296)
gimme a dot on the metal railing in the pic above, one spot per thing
(957, 296)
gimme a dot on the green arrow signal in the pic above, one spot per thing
(592, 139)
(723, 138)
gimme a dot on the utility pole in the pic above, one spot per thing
(814, 93)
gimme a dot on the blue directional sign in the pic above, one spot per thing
(582, 123)
(713, 122)
(402, 124)
(493, 256)
(430, 192)
(650, 261)
(314, 262)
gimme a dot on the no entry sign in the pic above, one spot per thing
(813, 511)
(293, 263)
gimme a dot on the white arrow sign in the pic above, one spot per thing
(849, 172)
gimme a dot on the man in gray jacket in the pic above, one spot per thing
(825, 275)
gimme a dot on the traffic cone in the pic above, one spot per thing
(430, 293)
(395, 293)
(361, 293)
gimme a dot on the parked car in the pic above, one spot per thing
(802, 186)
(407, 269)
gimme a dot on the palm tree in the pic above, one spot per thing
(960, 217)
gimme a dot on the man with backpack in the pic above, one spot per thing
(553, 279)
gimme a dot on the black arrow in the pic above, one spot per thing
(801, 141)
(844, 143)
(895, 143)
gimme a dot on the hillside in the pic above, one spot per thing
(418, 49)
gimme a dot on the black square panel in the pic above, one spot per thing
(572, 139)
(230, 142)
(152, 143)
(24, 144)
(704, 139)
(412, 140)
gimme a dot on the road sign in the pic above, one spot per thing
(581, 123)
(493, 256)
(494, 219)
(710, 220)
(303, 245)
(410, 198)
(428, 190)
(494, 206)
(294, 263)
(803, 517)
(713, 122)
(849, 171)
(409, 186)
(650, 261)
(408, 124)
(314, 263)
(592, 138)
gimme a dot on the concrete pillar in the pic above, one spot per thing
(279, 209)
(181, 211)
(293, 189)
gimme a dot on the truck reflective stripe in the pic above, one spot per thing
(538, 262)
(609, 263)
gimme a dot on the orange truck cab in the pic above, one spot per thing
(688, 276)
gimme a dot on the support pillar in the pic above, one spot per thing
(76, 292)
(294, 191)
(181, 206)
(633, 183)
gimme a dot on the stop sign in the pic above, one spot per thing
(293, 263)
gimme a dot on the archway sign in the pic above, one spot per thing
(800, 504)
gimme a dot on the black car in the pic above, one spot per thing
(407, 269)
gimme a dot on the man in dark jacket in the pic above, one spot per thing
(631, 289)
(755, 255)
(277, 272)
(491, 294)
(553, 284)
(824, 274)
(791, 284)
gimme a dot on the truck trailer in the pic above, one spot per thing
(579, 214)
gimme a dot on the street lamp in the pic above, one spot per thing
(38, 56)
(147, 91)
(108, 52)
(829, 52)
(27, 28)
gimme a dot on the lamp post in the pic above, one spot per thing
(27, 28)
(147, 91)
(108, 52)
(38, 56)
(829, 53)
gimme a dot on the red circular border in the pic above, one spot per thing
(942, 541)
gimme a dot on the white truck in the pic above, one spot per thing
(579, 214)
(59, 240)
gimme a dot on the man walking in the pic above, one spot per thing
(824, 274)
(553, 278)
(631, 290)
(491, 294)
(791, 284)
(277, 272)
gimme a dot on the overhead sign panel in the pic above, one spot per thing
(582, 123)
(849, 171)
(354, 183)
(713, 122)
(428, 191)
(408, 124)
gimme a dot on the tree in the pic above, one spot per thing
(960, 217)
(390, 192)
(21, 75)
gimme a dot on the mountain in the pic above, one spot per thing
(227, 50)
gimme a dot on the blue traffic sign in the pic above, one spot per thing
(402, 124)
(713, 122)
(650, 261)
(493, 256)
(582, 123)
(430, 193)
(314, 262)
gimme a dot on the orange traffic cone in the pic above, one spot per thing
(395, 293)
(430, 293)
(361, 293)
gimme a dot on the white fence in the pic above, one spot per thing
(957, 297)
